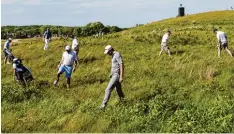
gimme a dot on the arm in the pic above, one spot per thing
(76, 63)
(61, 62)
(121, 72)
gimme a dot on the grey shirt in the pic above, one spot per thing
(116, 61)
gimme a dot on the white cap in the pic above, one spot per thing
(107, 49)
(10, 39)
(67, 48)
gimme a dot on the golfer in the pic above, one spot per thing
(6, 51)
(222, 42)
(66, 65)
(47, 37)
(117, 72)
(164, 44)
(75, 45)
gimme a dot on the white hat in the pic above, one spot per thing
(107, 49)
(10, 39)
(67, 48)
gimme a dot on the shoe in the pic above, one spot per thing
(101, 108)
(55, 82)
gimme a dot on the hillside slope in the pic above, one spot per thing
(191, 91)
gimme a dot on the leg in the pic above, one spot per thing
(119, 90)
(168, 51)
(219, 51)
(228, 51)
(5, 60)
(162, 48)
(108, 91)
(68, 82)
(61, 70)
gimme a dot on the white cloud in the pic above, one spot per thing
(24, 2)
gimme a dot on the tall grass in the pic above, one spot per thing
(191, 91)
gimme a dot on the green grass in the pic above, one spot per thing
(191, 91)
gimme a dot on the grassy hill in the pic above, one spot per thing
(191, 91)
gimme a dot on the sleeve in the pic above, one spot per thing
(119, 58)
(218, 37)
(14, 66)
(75, 57)
(5, 44)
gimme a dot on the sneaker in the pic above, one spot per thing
(55, 82)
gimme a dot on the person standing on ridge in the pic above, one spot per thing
(117, 73)
(222, 42)
(66, 65)
(47, 37)
(75, 45)
(6, 51)
(164, 44)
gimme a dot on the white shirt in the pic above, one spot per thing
(75, 43)
(68, 58)
(165, 38)
(221, 37)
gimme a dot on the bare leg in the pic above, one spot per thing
(219, 51)
(160, 53)
(229, 52)
(57, 80)
(5, 60)
(68, 82)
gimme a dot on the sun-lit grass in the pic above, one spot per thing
(191, 91)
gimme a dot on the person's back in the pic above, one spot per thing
(222, 37)
(47, 34)
(116, 61)
(7, 45)
(165, 38)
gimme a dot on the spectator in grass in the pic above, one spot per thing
(47, 37)
(75, 45)
(164, 44)
(66, 65)
(222, 42)
(117, 72)
(7, 51)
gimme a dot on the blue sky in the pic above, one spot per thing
(122, 13)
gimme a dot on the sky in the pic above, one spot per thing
(122, 13)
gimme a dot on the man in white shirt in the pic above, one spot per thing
(164, 44)
(66, 65)
(222, 42)
(75, 45)
(47, 37)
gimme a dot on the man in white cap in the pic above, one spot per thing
(164, 44)
(66, 65)
(222, 42)
(75, 45)
(6, 51)
(47, 37)
(117, 72)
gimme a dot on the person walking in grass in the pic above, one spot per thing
(164, 44)
(222, 42)
(47, 37)
(75, 45)
(66, 65)
(6, 51)
(117, 73)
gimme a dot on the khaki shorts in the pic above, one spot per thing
(164, 46)
(223, 45)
